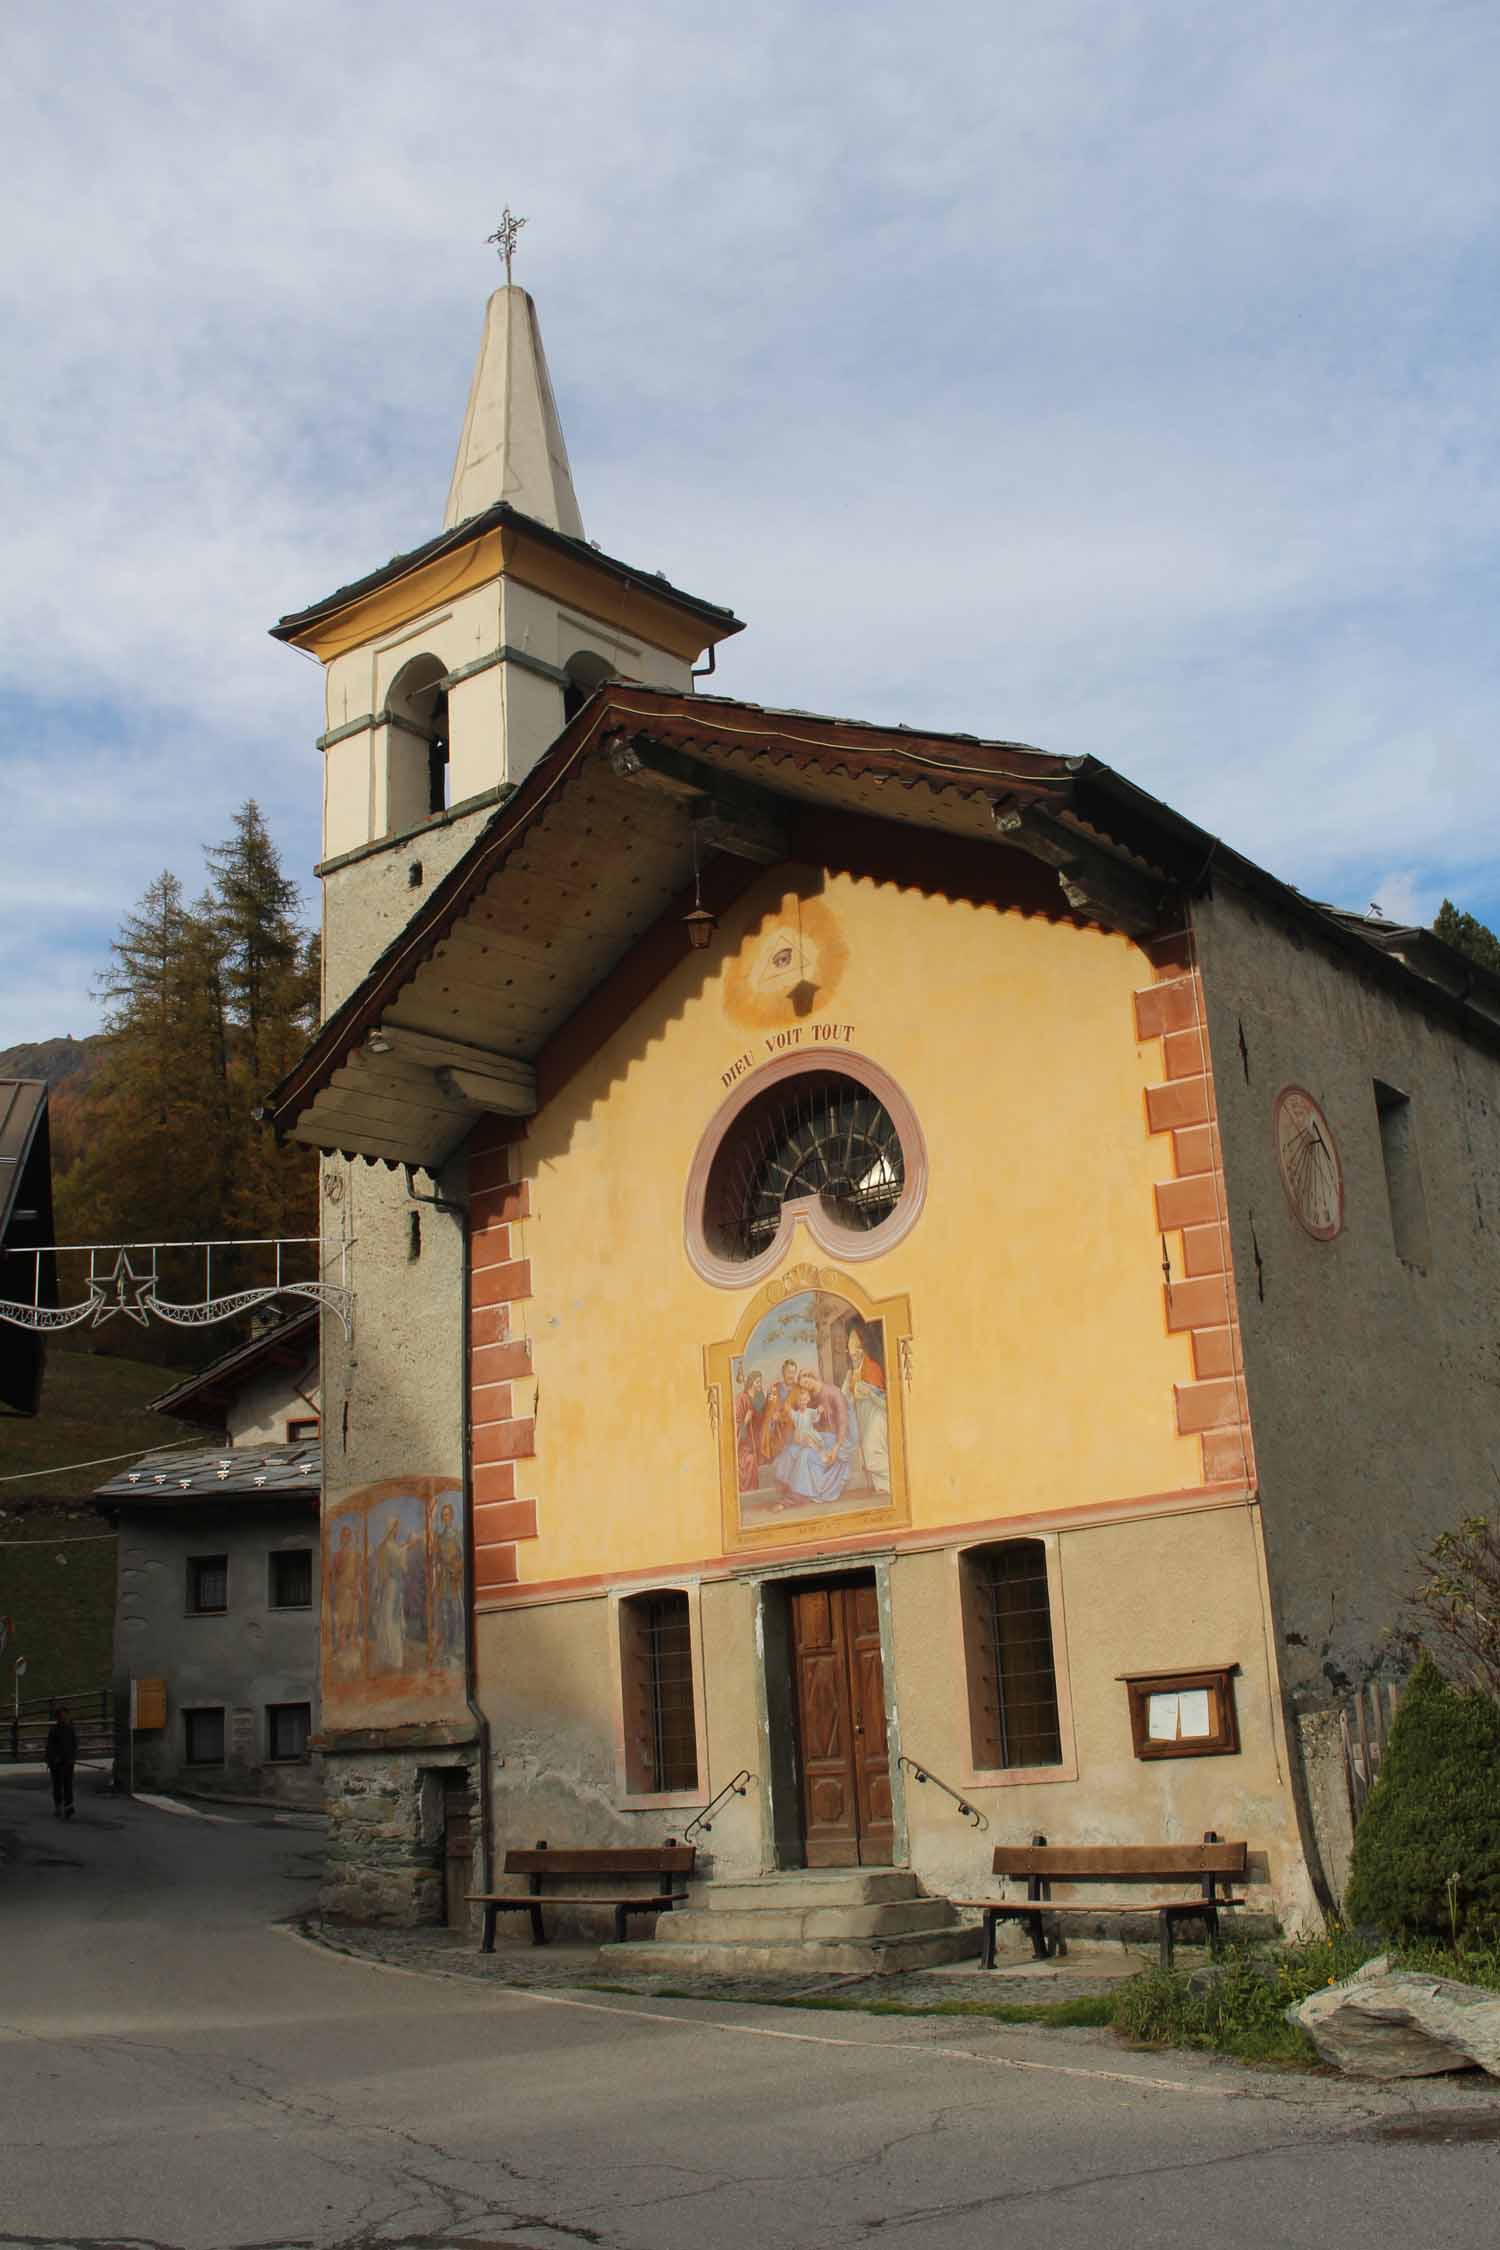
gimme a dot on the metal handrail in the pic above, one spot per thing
(924, 1773)
(742, 1783)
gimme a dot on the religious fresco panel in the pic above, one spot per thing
(810, 1411)
(393, 1612)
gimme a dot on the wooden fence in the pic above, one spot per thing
(1367, 1726)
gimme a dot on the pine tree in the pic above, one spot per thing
(1468, 934)
(206, 1007)
(1427, 1850)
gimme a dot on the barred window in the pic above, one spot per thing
(1012, 1669)
(203, 1737)
(208, 1585)
(288, 1726)
(291, 1579)
(656, 1655)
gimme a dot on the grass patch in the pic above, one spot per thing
(1092, 2011)
(1239, 2007)
(91, 1406)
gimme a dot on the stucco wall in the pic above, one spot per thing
(1041, 1370)
(1372, 1385)
(550, 1677)
(262, 1408)
(250, 1656)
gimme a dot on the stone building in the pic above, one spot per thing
(216, 1616)
(876, 1255)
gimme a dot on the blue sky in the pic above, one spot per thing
(1118, 378)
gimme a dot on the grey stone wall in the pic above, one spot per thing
(242, 1661)
(385, 1853)
(1374, 1384)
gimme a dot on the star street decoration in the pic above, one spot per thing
(123, 1278)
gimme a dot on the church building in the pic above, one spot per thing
(903, 1292)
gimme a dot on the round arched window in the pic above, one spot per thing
(836, 1146)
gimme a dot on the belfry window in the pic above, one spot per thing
(1013, 1704)
(586, 671)
(416, 716)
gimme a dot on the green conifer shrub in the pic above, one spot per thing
(1427, 1849)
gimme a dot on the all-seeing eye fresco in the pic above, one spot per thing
(809, 1413)
(394, 1614)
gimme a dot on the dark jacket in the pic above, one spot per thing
(62, 1743)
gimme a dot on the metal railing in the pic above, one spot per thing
(925, 1774)
(743, 1782)
(24, 1733)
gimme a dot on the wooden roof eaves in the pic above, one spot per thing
(943, 762)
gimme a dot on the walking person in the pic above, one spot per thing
(61, 1755)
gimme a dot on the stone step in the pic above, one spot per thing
(807, 1887)
(870, 1956)
(768, 1924)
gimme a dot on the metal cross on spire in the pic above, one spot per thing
(504, 238)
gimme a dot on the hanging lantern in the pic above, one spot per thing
(699, 923)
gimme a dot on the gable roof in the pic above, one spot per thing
(203, 1397)
(465, 1011)
(169, 1477)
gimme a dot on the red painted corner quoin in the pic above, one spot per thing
(502, 1428)
(1192, 1216)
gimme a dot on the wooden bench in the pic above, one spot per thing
(1042, 1863)
(666, 1863)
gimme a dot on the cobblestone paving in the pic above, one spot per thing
(562, 1967)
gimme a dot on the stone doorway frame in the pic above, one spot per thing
(781, 1844)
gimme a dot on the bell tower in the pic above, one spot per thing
(451, 669)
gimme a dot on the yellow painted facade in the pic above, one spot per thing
(1040, 1372)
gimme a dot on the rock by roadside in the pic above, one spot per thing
(1393, 2023)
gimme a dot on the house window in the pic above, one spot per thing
(291, 1579)
(1183, 1714)
(1012, 1670)
(288, 1726)
(208, 1585)
(656, 1654)
(301, 1433)
(1403, 1176)
(203, 1737)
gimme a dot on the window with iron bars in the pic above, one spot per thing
(208, 1585)
(1012, 1667)
(661, 1735)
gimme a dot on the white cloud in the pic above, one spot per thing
(1117, 380)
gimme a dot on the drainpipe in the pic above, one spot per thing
(459, 1210)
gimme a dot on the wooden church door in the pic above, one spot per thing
(840, 1699)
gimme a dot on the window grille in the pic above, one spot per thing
(819, 1134)
(203, 1737)
(208, 1585)
(661, 1726)
(291, 1579)
(288, 1726)
(1017, 1716)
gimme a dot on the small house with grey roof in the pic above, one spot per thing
(216, 1615)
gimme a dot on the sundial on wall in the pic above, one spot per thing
(1309, 1159)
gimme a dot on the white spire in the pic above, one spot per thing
(512, 444)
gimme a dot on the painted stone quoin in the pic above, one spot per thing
(393, 1617)
(809, 1411)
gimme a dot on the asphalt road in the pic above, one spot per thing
(177, 2068)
